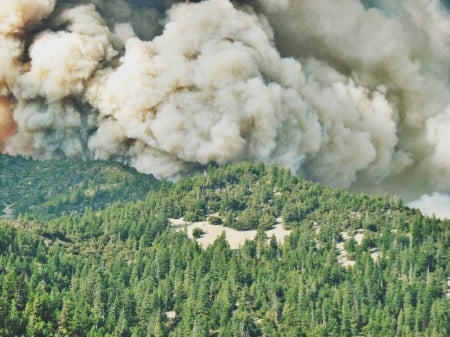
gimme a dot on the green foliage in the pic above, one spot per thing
(197, 232)
(46, 189)
(123, 271)
(215, 220)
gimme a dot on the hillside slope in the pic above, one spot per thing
(352, 265)
(47, 189)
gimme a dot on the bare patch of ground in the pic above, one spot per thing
(448, 288)
(235, 238)
(343, 258)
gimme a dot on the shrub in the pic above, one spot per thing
(215, 220)
(197, 232)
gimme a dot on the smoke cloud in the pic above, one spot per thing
(354, 94)
(436, 204)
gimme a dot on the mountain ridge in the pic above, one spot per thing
(55, 187)
(122, 270)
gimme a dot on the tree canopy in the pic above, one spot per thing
(121, 270)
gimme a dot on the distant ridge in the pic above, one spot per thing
(55, 187)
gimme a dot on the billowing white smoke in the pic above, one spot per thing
(398, 52)
(436, 204)
(204, 91)
(350, 96)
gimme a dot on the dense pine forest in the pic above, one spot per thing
(46, 189)
(87, 249)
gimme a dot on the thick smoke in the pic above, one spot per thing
(352, 94)
(436, 204)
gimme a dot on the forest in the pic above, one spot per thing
(88, 251)
(47, 189)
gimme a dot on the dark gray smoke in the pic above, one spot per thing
(352, 94)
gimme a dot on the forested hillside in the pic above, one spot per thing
(353, 264)
(47, 189)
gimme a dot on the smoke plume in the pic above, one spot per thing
(436, 204)
(354, 94)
